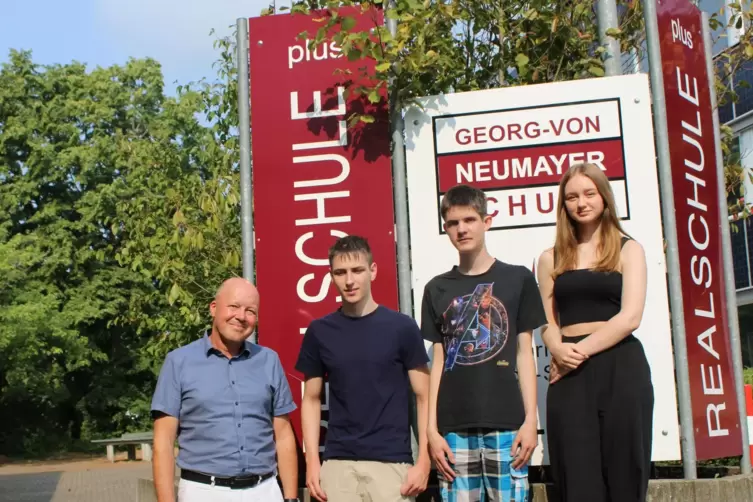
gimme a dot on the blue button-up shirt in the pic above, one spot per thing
(225, 407)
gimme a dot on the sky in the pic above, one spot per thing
(107, 32)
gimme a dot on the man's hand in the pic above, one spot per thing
(525, 442)
(416, 480)
(568, 356)
(312, 481)
(556, 372)
(441, 453)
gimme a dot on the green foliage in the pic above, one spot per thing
(728, 63)
(457, 45)
(178, 210)
(119, 214)
(64, 141)
(748, 376)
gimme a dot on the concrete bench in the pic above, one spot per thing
(130, 440)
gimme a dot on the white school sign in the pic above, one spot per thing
(515, 144)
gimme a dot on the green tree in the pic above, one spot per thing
(177, 209)
(460, 45)
(65, 135)
(728, 64)
(119, 217)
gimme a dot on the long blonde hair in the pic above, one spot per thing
(566, 242)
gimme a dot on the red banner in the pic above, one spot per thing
(524, 167)
(314, 178)
(693, 158)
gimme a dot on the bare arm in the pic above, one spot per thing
(527, 437)
(633, 303)
(418, 475)
(437, 367)
(419, 380)
(287, 457)
(163, 461)
(527, 375)
(311, 417)
(551, 333)
(440, 451)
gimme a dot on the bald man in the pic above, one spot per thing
(227, 402)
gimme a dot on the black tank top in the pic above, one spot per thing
(584, 295)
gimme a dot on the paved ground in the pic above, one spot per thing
(39, 487)
(84, 481)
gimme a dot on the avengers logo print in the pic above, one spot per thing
(476, 328)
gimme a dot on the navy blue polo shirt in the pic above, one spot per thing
(366, 360)
(225, 407)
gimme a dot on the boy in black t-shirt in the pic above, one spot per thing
(372, 357)
(480, 316)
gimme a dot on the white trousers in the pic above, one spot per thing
(266, 491)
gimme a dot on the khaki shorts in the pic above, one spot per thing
(363, 481)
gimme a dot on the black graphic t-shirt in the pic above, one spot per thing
(478, 319)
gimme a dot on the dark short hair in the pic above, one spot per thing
(350, 245)
(466, 196)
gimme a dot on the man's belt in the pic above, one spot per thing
(235, 482)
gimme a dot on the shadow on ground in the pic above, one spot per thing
(37, 487)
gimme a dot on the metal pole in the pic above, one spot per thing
(729, 273)
(730, 18)
(606, 14)
(687, 439)
(400, 193)
(244, 125)
(635, 59)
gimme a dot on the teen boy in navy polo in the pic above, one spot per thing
(480, 316)
(372, 357)
(227, 401)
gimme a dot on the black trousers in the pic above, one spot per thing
(599, 427)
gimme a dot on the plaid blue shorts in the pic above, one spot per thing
(483, 468)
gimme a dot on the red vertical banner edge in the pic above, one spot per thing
(309, 188)
(693, 160)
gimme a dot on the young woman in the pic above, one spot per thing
(600, 399)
